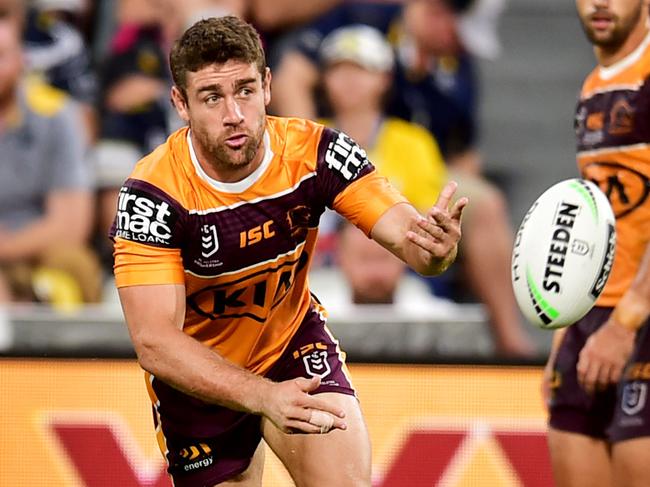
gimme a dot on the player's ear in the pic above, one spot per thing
(179, 99)
(266, 85)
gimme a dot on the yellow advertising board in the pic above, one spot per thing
(88, 423)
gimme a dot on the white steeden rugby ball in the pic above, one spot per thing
(563, 253)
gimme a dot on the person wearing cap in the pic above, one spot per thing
(357, 66)
(434, 85)
(357, 63)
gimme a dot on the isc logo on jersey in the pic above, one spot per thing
(142, 217)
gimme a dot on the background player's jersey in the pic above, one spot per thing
(613, 131)
(242, 249)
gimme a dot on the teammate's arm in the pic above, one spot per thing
(606, 352)
(154, 315)
(426, 243)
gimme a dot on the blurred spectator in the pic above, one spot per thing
(368, 274)
(13, 11)
(357, 62)
(435, 85)
(296, 76)
(45, 197)
(55, 49)
(271, 16)
(134, 96)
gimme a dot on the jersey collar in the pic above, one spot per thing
(608, 72)
(239, 186)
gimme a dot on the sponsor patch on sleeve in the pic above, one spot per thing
(145, 218)
(344, 156)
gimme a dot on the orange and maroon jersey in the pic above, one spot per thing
(242, 249)
(613, 131)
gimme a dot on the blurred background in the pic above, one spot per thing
(479, 91)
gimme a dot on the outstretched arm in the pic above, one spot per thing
(154, 316)
(426, 243)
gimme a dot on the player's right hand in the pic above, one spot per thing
(603, 358)
(289, 406)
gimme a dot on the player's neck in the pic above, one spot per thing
(361, 125)
(608, 57)
(222, 172)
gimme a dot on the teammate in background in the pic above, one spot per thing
(597, 374)
(213, 239)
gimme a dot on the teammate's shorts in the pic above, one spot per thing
(618, 413)
(206, 444)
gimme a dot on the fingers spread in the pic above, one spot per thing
(446, 195)
(457, 210)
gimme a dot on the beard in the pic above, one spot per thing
(222, 157)
(616, 37)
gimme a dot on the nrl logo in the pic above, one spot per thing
(209, 240)
(316, 364)
(634, 397)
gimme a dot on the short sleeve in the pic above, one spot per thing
(349, 183)
(341, 161)
(148, 236)
(365, 201)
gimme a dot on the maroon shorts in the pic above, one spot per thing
(620, 412)
(207, 444)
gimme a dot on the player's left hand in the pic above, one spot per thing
(437, 234)
(604, 356)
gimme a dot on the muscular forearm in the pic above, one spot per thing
(189, 366)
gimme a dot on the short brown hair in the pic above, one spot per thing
(215, 41)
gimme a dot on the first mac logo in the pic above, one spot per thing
(143, 217)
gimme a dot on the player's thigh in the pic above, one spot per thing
(252, 476)
(339, 458)
(579, 460)
(631, 462)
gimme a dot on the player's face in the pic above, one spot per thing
(350, 87)
(226, 111)
(608, 23)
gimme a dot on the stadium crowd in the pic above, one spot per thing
(84, 94)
